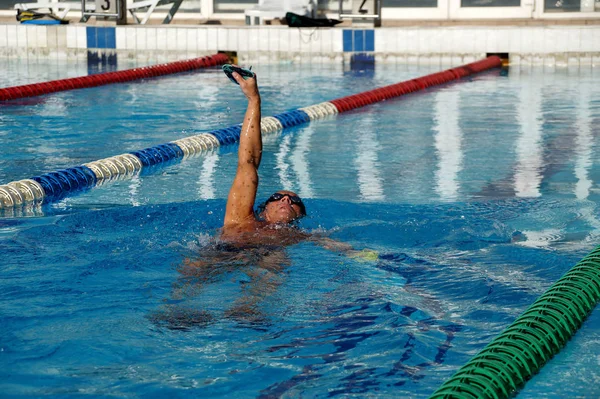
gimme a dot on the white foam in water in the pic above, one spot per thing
(204, 239)
(540, 239)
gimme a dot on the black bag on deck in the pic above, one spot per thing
(300, 21)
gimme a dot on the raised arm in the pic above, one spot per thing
(240, 202)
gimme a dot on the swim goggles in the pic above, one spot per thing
(293, 198)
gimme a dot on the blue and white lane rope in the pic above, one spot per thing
(54, 186)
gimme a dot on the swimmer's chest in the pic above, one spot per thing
(265, 235)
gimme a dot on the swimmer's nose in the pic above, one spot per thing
(286, 199)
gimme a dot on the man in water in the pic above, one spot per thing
(253, 244)
(272, 224)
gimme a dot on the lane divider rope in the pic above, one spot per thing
(520, 351)
(104, 78)
(54, 186)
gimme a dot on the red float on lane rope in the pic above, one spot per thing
(99, 79)
(398, 89)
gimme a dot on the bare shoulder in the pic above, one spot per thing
(232, 232)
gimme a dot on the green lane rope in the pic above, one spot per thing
(513, 357)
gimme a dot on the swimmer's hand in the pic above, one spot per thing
(366, 255)
(249, 86)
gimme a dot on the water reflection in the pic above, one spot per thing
(282, 165)
(295, 155)
(300, 163)
(528, 169)
(206, 180)
(367, 164)
(583, 144)
(134, 189)
(448, 143)
(55, 106)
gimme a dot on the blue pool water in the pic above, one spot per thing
(477, 196)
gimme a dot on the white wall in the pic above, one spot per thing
(543, 45)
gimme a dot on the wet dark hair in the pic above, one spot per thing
(261, 208)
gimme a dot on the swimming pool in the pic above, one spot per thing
(477, 195)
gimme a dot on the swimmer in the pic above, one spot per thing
(252, 243)
(273, 223)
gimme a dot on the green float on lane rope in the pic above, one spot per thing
(506, 363)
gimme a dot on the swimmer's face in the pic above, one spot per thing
(283, 207)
